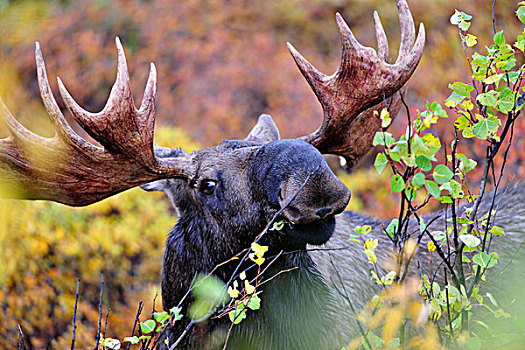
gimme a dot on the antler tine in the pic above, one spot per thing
(408, 32)
(311, 74)
(382, 41)
(150, 92)
(348, 39)
(119, 108)
(15, 128)
(363, 80)
(146, 112)
(62, 128)
(70, 170)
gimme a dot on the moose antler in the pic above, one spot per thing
(364, 80)
(68, 169)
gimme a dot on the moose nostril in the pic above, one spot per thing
(322, 212)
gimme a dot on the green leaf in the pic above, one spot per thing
(418, 180)
(467, 133)
(423, 163)
(132, 340)
(237, 315)
(466, 163)
(506, 100)
(278, 225)
(383, 139)
(438, 110)
(432, 188)
(456, 18)
(444, 199)
(464, 26)
(499, 39)
(209, 287)
(488, 98)
(209, 291)
(470, 241)
(397, 184)
(493, 78)
(459, 17)
(485, 260)
(364, 230)
(392, 227)
(161, 317)
(461, 88)
(454, 99)
(520, 12)
(380, 162)
(461, 122)
(254, 303)
(422, 225)
(432, 143)
(454, 188)
(497, 231)
(147, 326)
(354, 238)
(442, 174)
(485, 127)
(410, 193)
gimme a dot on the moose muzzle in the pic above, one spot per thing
(295, 176)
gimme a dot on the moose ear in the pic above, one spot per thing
(162, 152)
(264, 131)
(166, 152)
(159, 185)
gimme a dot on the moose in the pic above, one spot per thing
(226, 195)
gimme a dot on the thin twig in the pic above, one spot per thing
(186, 330)
(493, 17)
(74, 317)
(139, 310)
(21, 343)
(106, 323)
(100, 309)
(279, 273)
(228, 336)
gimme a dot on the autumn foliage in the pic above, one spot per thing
(220, 65)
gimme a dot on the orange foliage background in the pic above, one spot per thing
(221, 63)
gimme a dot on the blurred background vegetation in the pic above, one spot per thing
(221, 63)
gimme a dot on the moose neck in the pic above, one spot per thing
(297, 306)
(298, 300)
(194, 247)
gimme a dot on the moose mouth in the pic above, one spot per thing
(315, 232)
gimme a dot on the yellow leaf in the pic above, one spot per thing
(234, 293)
(450, 103)
(371, 244)
(470, 40)
(248, 287)
(259, 250)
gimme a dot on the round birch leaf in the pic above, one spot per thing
(442, 174)
(397, 184)
(470, 241)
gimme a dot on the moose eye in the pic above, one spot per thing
(208, 186)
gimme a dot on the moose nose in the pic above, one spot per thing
(322, 212)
